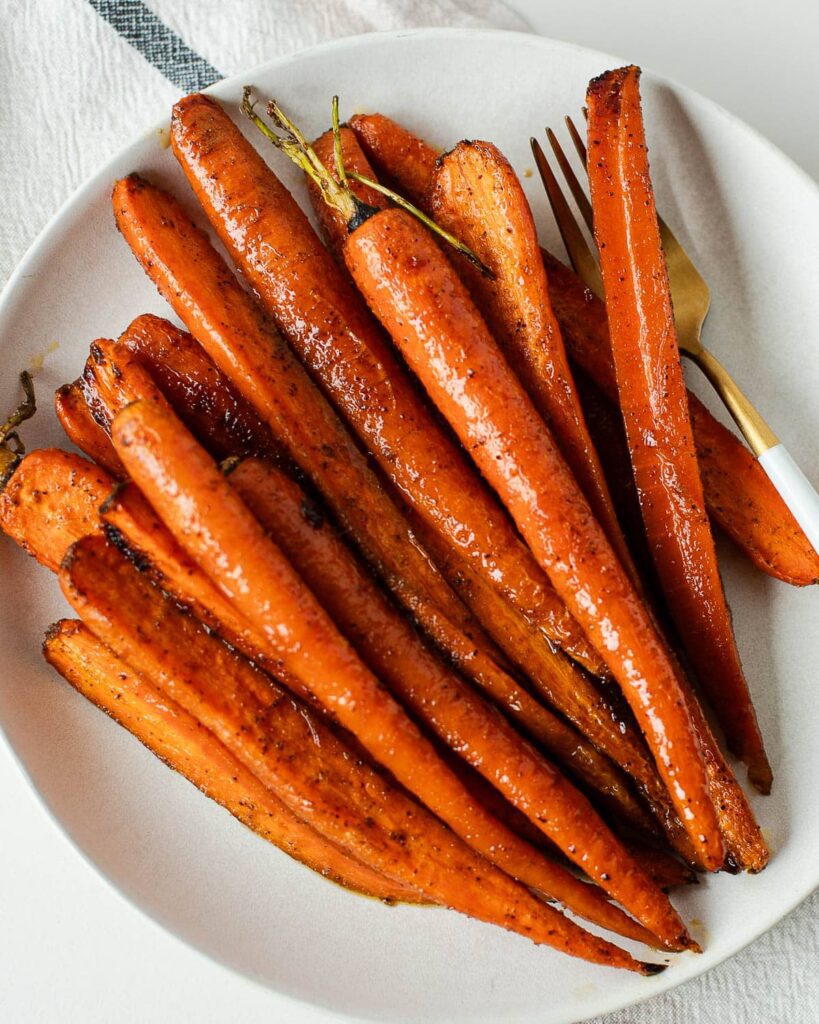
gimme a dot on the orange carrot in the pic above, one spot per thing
(401, 273)
(203, 396)
(83, 430)
(209, 520)
(739, 496)
(131, 616)
(326, 323)
(228, 324)
(476, 195)
(363, 614)
(395, 152)
(655, 409)
(180, 740)
(51, 500)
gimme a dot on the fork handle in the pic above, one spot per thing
(793, 486)
(796, 490)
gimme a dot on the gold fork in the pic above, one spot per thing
(692, 299)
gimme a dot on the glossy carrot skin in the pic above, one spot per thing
(53, 498)
(183, 743)
(434, 694)
(476, 195)
(428, 312)
(324, 320)
(83, 430)
(738, 494)
(215, 413)
(653, 400)
(209, 520)
(229, 325)
(395, 152)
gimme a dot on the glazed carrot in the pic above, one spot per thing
(203, 396)
(326, 323)
(612, 732)
(83, 430)
(348, 593)
(228, 324)
(209, 520)
(476, 195)
(738, 494)
(180, 740)
(655, 408)
(52, 499)
(401, 272)
(117, 608)
(397, 154)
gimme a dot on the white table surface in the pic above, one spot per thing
(72, 950)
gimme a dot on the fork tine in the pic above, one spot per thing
(580, 254)
(576, 188)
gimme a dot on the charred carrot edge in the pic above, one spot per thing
(227, 323)
(434, 694)
(83, 430)
(51, 500)
(739, 496)
(347, 354)
(180, 740)
(210, 521)
(396, 153)
(401, 271)
(207, 402)
(653, 400)
(476, 195)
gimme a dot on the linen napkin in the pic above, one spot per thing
(80, 77)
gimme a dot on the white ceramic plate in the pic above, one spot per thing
(751, 220)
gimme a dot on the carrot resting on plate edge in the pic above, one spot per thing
(652, 397)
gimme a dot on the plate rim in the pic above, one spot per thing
(227, 87)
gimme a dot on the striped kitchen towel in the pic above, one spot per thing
(80, 78)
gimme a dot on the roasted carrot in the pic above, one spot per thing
(653, 400)
(401, 272)
(739, 496)
(209, 520)
(476, 195)
(52, 499)
(179, 739)
(417, 678)
(83, 430)
(326, 323)
(115, 603)
(396, 153)
(228, 324)
(207, 402)
(611, 731)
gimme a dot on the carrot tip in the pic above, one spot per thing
(649, 969)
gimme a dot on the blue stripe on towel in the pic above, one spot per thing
(158, 44)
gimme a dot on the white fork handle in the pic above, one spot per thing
(796, 490)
